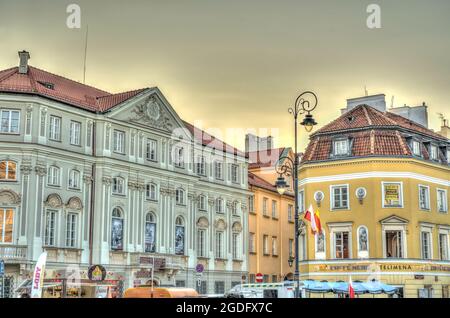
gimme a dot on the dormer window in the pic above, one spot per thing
(433, 152)
(416, 148)
(341, 147)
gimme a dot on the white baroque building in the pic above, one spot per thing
(117, 180)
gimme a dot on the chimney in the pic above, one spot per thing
(256, 143)
(418, 114)
(23, 64)
(376, 101)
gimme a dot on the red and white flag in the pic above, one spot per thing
(351, 291)
(314, 219)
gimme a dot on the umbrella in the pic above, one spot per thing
(342, 288)
(376, 287)
(318, 287)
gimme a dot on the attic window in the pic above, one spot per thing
(350, 119)
(47, 85)
(341, 147)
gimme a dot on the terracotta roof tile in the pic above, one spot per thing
(264, 158)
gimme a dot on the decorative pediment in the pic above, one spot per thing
(237, 227)
(8, 197)
(220, 225)
(54, 201)
(152, 112)
(394, 219)
(74, 203)
(203, 222)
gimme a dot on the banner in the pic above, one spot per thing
(38, 276)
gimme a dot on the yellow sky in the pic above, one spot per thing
(242, 63)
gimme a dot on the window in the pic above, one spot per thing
(265, 244)
(53, 177)
(424, 197)
(6, 225)
(251, 243)
(341, 245)
(392, 194)
(235, 173)
(150, 233)
(218, 167)
(251, 204)
(235, 246)
(179, 236)
(443, 247)
(75, 133)
(71, 230)
(235, 208)
(179, 196)
(202, 287)
(339, 198)
(180, 283)
(151, 150)
(274, 209)
(425, 238)
(118, 186)
(50, 228)
(150, 192)
(219, 287)
(301, 201)
(74, 179)
(117, 230)
(201, 166)
(433, 152)
(202, 203)
(341, 147)
(8, 171)
(10, 121)
(274, 246)
(219, 205)
(290, 213)
(303, 254)
(201, 242)
(394, 244)
(28, 123)
(219, 244)
(291, 248)
(119, 141)
(55, 128)
(179, 157)
(416, 148)
(441, 200)
(265, 201)
(89, 134)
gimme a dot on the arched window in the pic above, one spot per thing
(54, 176)
(74, 179)
(118, 185)
(117, 229)
(179, 236)
(179, 194)
(150, 192)
(150, 233)
(8, 170)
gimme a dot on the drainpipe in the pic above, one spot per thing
(92, 205)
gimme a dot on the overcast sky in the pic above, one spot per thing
(241, 63)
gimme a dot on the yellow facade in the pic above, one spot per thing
(389, 228)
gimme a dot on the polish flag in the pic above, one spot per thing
(351, 291)
(314, 219)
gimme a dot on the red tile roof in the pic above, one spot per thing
(264, 158)
(255, 181)
(43, 83)
(372, 132)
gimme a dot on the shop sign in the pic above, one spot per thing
(96, 273)
(419, 277)
(384, 267)
(159, 263)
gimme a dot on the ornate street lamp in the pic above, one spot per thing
(306, 102)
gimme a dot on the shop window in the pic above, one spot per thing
(392, 195)
(445, 291)
(394, 244)
(180, 283)
(202, 287)
(8, 171)
(426, 292)
(219, 287)
(150, 233)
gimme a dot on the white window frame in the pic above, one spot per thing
(445, 210)
(252, 243)
(394, 227)
(341, 227)
(219, 205)
(151, 151)
(332, 199)
(51, 232)
(76, 184)
(235, 244)
(448, 155)
(274, 246)
(151, 191)
(9, 121)
(116, 187)
(54, 132)
(219, 244)
(265, 245)
(427, 197)
(290, 213)
(54, 176)
(301, 201)
(274, 209)
(180, 196)
(201, 242)
(75, 133)
(434, 152)
(416, 148)
(446, 232)
(338, 147)
(7, 170)
(251, 204)
(235, 173)
(71, 229)
(3, 222)
(400, 183)
(218, 170)
(119, 141)
(202, 203)
(429, 231)
(264, 206)
(201, 166)
(179, 157)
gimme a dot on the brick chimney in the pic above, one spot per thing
(23, 63)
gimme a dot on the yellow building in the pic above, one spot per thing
(271, 219)
(380, 183)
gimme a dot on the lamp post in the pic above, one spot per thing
(306, 102)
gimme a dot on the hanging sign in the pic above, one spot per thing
(97, 273)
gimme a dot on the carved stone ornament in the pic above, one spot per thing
(244, 207)
(107, 180)
(40, 170)
(8, 197)
(140, 186)
(220, 225)
(132, 185)
(237, 227)
(87, 179)
(211, 201)
(203, 222)
(25, 169)
(54, 201)
(152, 113)
(164, 191)
(74, 203)
(229, 204)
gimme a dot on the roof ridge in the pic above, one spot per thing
(9, 74)
(366, 113)
(125, 92)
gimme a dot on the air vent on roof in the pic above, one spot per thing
(47, 85)
(350, 119)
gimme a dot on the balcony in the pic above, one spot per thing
(13, 253)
